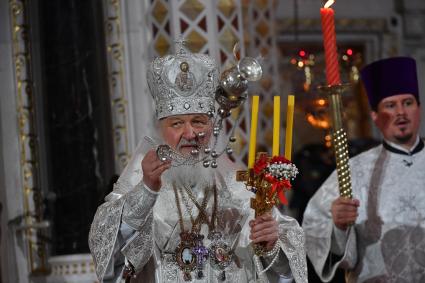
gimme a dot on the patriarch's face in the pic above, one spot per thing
(180, 132)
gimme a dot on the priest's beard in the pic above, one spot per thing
(189, 175)
(404, 139)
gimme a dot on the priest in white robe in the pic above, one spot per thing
(379, 235)
(172, 220)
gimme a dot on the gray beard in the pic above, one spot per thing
(189, 175)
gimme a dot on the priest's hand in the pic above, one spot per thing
(344, 212)
(264, 229)
(152, 169)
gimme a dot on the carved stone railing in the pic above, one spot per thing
(77, 268)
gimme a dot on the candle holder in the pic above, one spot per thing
(269, 179)
(339, 137)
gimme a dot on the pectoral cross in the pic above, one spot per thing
(180, 42)
(201, 253)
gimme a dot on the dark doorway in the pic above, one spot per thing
(77, 141)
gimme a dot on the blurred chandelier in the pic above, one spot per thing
(311, 102)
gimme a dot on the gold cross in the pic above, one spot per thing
(261, 203)
(180, 42)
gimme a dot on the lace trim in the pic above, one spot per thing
(292, 244)
(103, 234)
(140, 249)
(138, 204)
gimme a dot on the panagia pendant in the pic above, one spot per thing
(185, 257)
(221, 255)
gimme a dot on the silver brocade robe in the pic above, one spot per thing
(155, 219)
(387, 242)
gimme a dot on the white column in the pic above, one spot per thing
(137, 36)
(20, 253)
(118, 86)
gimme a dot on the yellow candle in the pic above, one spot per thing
(289, 126)
(253, 133)
(276, 125)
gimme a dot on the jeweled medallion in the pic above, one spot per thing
(221, 257)
(185, 257)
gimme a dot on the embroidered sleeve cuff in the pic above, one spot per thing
(347, 260)
(139, 247)
(150, 190)
(138, 204)
(339, 240)
(292, 240)
(280, 266)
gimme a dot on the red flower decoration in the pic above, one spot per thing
(281, 159)
(278, 187)
(260, 165)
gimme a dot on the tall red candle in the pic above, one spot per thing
(329, 43)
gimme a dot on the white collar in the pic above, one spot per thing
(399, 147)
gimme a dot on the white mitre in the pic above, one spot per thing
(184, 83)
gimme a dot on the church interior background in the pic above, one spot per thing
(74, 101)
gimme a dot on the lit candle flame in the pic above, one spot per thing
(329, 3)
